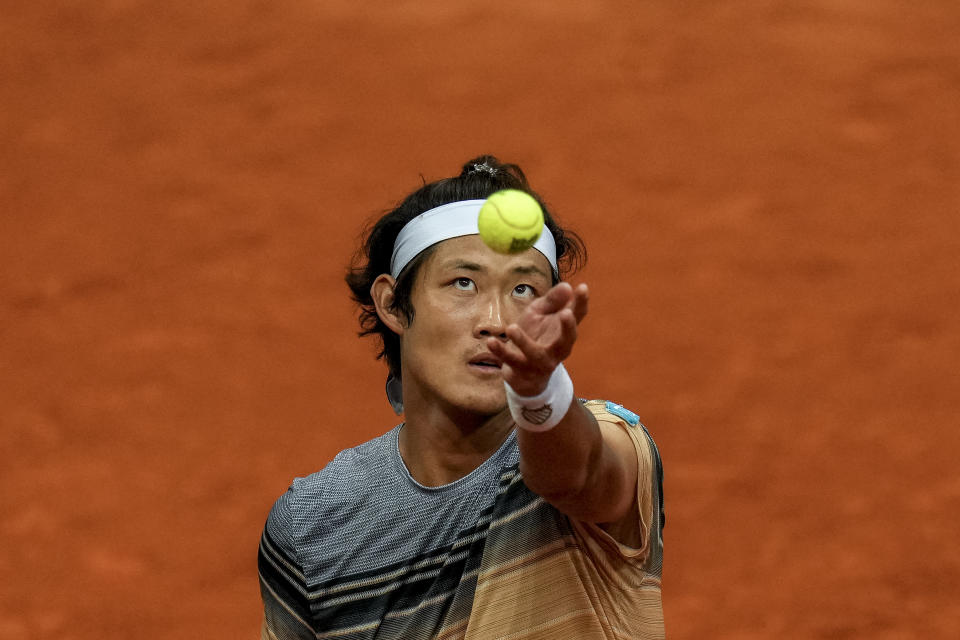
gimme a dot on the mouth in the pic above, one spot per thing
(484, 362)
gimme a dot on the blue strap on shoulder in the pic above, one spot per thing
(619, 411)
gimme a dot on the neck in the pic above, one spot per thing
(440, 447)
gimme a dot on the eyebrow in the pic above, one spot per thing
(530, 269)
(463, 264)
(520, 269)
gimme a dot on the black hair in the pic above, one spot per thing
(478, 179)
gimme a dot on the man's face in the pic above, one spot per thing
(465, 293)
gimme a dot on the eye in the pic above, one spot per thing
(524, 291)
(464, 284)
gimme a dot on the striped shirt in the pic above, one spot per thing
(360, 550)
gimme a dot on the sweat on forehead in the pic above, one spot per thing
(451, 221)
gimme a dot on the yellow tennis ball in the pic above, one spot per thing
(510, 221)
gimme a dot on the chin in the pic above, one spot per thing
(486, 404)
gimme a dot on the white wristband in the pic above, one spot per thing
(546, 409)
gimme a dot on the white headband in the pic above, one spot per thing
(451, 221)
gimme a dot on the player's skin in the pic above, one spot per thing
(481, 318)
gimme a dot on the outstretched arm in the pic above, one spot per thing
(586, 469)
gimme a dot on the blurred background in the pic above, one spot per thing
(768, 190)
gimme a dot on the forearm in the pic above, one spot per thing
(584, 468)
(557, 463)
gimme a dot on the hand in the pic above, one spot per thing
(541, 339)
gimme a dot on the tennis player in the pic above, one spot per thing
(502, 506)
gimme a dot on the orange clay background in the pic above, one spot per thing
(769, 191)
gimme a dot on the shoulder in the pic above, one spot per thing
(311, 500)
(644, 533)
(651, 465)
(611, 412)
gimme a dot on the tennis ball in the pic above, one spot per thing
(510, 221)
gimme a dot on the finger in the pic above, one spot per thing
(553, 300)
(581, 301)
(536, 357)
(506, 353)
(568, 335)
(523, 341)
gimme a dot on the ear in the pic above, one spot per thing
(382, 293)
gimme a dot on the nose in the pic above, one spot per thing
(491, 321)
